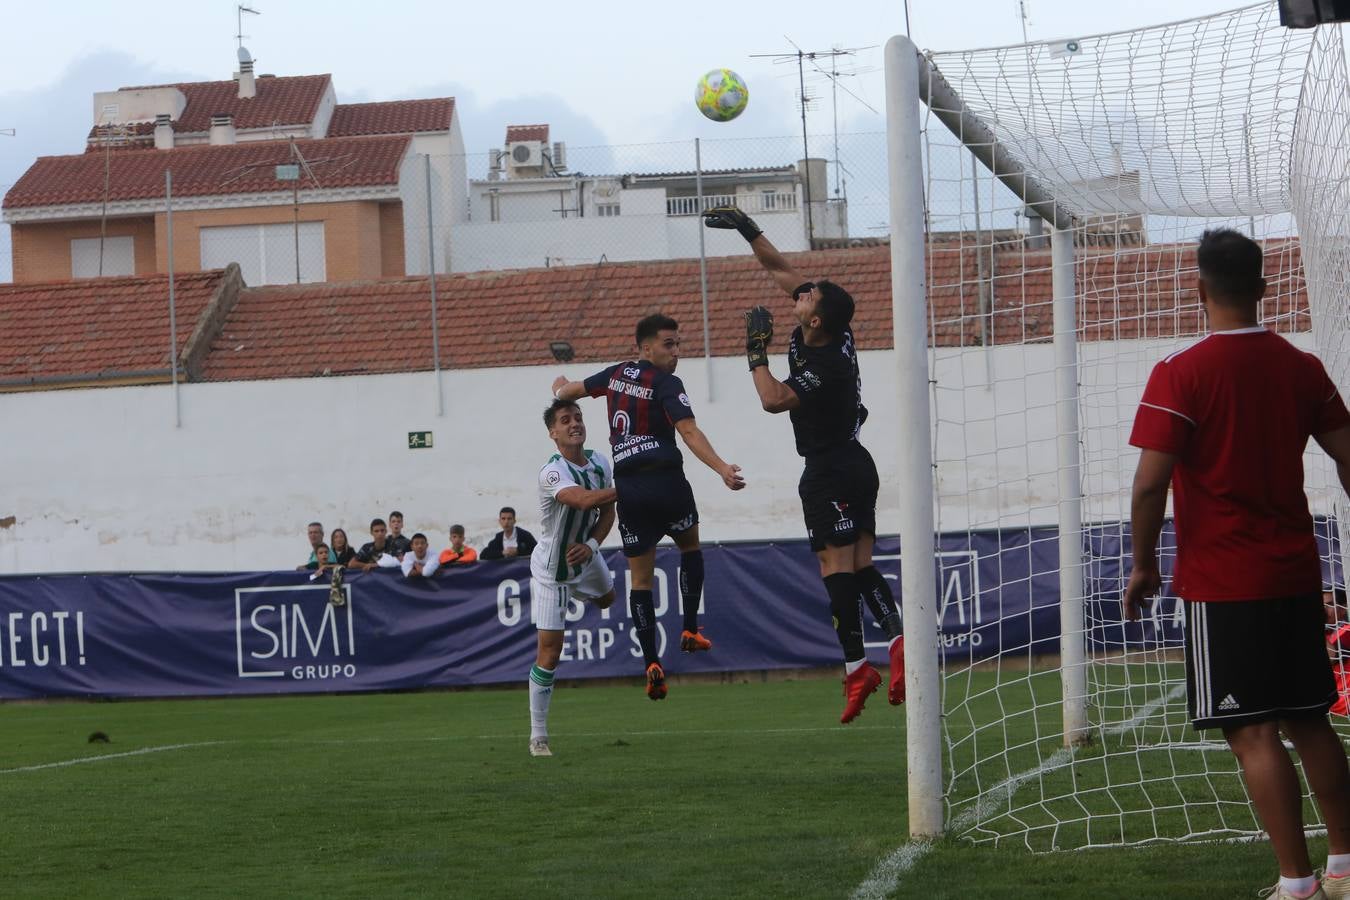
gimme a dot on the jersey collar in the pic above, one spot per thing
(1254, 329)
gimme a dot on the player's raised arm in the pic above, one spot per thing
(775, 396)
(767, 254)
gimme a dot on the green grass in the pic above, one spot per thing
(736, 790)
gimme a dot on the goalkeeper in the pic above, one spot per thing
(823, 397)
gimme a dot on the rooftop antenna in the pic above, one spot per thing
(239, 15)
(7, 132)
(1025, 17)
(802, 57)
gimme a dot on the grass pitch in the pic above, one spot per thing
(741, 790)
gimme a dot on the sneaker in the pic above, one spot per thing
(1279, 893)
(896, 692)
(857, 688)
(1336, 885)
(694, 641)
(656, 682)
(539, 747)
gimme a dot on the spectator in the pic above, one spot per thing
(511, 541)
(315, 539)
(458, 554)
(322, 561)
(417, 561)
(339, 548)
(377, 552)
(396, 539)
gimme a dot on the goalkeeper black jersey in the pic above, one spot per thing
(827, 382)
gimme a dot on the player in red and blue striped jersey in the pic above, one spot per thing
(647, 405)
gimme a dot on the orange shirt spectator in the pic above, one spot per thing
(458, 553)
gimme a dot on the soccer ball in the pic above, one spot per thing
(721, 95)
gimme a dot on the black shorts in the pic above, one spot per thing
(653, 505)
(839, 496)
(1257, 660)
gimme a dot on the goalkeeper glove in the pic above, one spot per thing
(731, 217)
(758, 335)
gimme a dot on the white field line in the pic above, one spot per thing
(105, 756)
(885, 878)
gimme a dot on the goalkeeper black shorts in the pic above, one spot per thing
(839, 496)
(653, 504)
(1253, 661)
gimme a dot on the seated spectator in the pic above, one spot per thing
(376, 553)
(339, 549)
(321, 562)
(511, 541)
(417, 561)
(396, 538)
(315, 539)
(458, 554)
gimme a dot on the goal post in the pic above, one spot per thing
(1054, 276)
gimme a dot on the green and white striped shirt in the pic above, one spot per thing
(563, 525)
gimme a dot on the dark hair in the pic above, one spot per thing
(396, 513)
(419, 535)
(456, 529)
(507, 509)
(324, 546)
(551, 414)
(374, 522)
(1230, 265)
(319, 525)
(346, 541)
(835, 308)
(652, 325)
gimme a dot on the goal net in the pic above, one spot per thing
(1142, 140)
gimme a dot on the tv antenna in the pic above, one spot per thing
(239, 15)
(7, 132)
(812, 57)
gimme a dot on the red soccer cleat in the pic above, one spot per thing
(857, 688)
(896, 692)
(694, 641)
(656, 682)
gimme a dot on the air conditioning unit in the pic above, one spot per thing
(524, 154)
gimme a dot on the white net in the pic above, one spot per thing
(1146, 138)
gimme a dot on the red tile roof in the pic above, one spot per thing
(526, 133)
(310, 330)
(106, 326)
(393, 117)
(289, 100)
(207, 170)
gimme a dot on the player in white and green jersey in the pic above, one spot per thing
(576, 505)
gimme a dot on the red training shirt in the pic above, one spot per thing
(1237, 409)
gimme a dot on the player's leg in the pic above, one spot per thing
(1274, 788)
(640, 533)
(549, 601)
(841, 584)
(876, 593)
(691, 589)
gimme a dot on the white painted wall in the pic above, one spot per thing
(101, 480)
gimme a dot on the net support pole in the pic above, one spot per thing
(703, 265)
(914, 470)
(1072, 647)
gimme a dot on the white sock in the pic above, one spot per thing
(851, 667)
(541, 692)
(1299, 887)
(1338, 864)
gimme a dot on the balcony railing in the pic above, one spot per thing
(778, 201)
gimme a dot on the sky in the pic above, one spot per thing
(597, 72)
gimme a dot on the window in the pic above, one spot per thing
(606, 209)
(266, 253)
(119, 257)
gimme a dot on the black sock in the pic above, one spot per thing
(691, 587)
(877, 593)
(846, 609)
(644, 620)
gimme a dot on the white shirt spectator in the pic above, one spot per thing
(430, 563)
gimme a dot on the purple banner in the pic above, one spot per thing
(764, 607)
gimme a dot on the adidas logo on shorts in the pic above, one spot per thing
(1228, 703)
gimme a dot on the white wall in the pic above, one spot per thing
(102, 480)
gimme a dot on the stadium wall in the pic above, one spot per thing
(102, 480)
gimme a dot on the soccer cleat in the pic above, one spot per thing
(1336, 885)
(1279, 893)
(694, 641)
(656, 682)
(896, 692)
(539, 747)
(857, 688)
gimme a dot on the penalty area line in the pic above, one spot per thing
(885, 878)
(106, 756)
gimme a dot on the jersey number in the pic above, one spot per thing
(620, 422)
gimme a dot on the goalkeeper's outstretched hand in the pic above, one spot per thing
(731, 217)
(758, 336)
